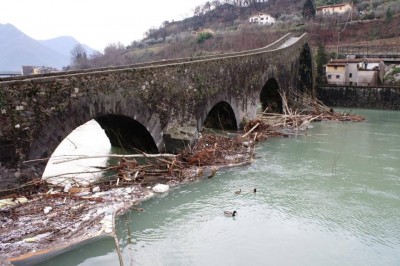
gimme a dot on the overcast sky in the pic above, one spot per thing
(96, 23)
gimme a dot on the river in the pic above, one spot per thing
(331, 197)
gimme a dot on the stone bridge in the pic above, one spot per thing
(154, 107)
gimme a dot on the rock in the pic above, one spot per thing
(30, 240)
(128, 190)
(108, 230)
(12, 201)
(17, 175)
(247, 143)
(96, 189)
(160, 188)
(47, 209)
(107, 223)
(67, 187)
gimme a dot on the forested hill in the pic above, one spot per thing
(218, 16)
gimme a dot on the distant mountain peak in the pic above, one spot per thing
(18, 49)
(64, 45)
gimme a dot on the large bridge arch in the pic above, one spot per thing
(127, 114)
(127, 133)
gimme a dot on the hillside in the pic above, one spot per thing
(369, 21)
(224, 17)
(222, 28)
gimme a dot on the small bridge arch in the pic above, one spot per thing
(221, 116)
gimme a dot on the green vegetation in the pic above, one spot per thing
(308, 10)
(390, 77)
(203, 36)
(327, 2)
(2, 100)
(321, 59)
(389, 15)
(395, 70)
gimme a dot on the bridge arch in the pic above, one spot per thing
(270, 97)
(116, 115)
(221, 116)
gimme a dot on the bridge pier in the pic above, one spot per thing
(179, 138)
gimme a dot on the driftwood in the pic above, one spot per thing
(67, 158)
(296, 120)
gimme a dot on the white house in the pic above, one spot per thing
(334, 9)
(262, 19)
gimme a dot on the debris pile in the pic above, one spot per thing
(296, 120)
(216, 150)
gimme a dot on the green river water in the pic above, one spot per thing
(331, 197)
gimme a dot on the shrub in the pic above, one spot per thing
(203, 36)
(369, 15)
(395, 70)
(169, 39)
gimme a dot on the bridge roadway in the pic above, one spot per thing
(155, 106)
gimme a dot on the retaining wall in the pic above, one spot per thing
(384, 98)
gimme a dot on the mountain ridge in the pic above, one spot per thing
(18, 49)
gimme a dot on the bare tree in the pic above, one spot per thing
(114, 55)
(197, 11)
(207, 7)
(79, 58)
(216, 3)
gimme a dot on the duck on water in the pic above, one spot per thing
(230, 214)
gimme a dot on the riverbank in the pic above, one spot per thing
(48, 223)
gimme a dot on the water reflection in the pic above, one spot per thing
(101, 252)
(89, 139)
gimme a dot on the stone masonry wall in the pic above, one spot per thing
(385, 98)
